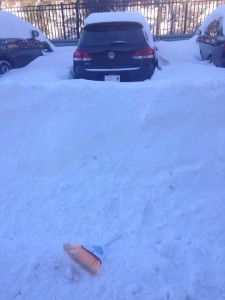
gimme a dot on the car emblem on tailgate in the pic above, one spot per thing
(111, 55)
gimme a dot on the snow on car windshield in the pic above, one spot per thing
(218, 13)
(120, 17)
(112, 33)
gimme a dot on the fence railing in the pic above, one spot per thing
(64, 21)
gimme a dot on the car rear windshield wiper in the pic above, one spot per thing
(118, 43)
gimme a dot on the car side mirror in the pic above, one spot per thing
(34, 33)
(197, 32)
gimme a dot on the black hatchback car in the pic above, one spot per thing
(211, 38)
(115, 46)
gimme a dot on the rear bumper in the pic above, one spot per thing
(126, 74)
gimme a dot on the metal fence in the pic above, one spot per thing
(167, 17)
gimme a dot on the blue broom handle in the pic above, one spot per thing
(116, 238)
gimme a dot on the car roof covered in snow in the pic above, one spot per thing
(106, 17)
(218, 13)
(12, 26)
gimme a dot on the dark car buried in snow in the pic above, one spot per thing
(211, 37)
(20, 42)
(116, 46)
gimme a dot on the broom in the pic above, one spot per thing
(88, 256)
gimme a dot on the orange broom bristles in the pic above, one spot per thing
(84, 257)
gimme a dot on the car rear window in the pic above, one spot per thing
(112, 33)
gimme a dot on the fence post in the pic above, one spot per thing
(159, 19)
(185, 16)
(63, 21)
(77, 19)
(123, 5)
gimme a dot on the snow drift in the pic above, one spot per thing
(84, 161)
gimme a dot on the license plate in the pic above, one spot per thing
(112, 77)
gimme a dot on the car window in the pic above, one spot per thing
(112, 33)
(214, 28)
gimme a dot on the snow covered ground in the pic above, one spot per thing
(82, 162)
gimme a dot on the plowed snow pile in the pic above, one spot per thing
(84, 161)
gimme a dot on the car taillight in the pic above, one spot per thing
(143, 53)
(81, 56)
(223, 46)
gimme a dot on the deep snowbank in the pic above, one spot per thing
(81, 162)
